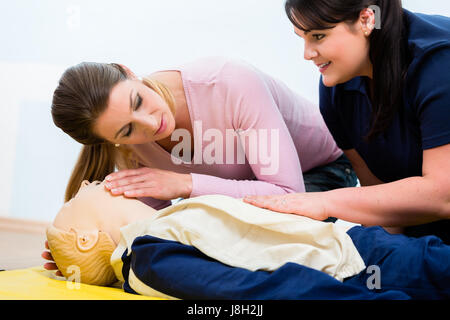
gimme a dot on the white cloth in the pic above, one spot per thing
(241, 235)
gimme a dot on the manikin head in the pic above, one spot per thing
(86, 231)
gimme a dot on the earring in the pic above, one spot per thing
(366, 33)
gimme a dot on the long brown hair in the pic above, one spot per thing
(388, 47)
(81, 97)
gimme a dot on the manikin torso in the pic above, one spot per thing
(96, 226)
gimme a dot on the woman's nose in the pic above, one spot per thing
(149, 122)
(309, 53)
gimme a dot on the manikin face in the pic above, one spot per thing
(94, 209)
(340, 53)
(135, 114)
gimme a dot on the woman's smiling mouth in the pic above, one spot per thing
(162, 126)
(323, 66)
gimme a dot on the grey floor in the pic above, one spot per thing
(19, 250)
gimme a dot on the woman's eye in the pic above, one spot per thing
(318, 36)
(138, 101)
(130, 130)
(138, 104)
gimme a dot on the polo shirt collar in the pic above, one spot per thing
(356, 84)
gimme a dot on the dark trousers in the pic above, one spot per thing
(334, 175)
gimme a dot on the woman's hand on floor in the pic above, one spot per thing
(50, 265)
(304, 204)
(149, 182)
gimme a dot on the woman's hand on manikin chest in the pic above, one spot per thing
(149, 182)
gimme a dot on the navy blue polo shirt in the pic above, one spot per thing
(422, 122)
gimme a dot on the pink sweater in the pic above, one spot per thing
(231, 96)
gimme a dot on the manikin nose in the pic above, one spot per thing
(84, 184)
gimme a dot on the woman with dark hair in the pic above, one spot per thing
(385, 97)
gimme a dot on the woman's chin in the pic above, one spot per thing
(329, 81)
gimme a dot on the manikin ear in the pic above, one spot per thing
(86, 239)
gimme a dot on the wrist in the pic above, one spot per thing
(187, 186)
(326, 208)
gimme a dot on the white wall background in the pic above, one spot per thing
(40, 39)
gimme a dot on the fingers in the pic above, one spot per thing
(47, 255)
(124, 173)
(116, 186)
(259, 201)
(50, 266)
(125, 181)
(274, 203)
(138, 192)
(133, 190)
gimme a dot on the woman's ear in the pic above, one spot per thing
(86, 239)
(367, 21)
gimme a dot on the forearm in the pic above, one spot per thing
(410, 201)
(207, 184)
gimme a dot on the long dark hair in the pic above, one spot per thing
(388, 47)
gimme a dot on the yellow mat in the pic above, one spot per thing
(39, 284)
